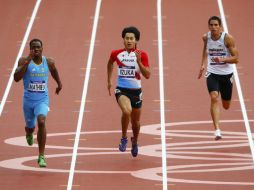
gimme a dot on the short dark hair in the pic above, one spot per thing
(35, 40)
(214, 18)
(131, 29)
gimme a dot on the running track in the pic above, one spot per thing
(194, 159)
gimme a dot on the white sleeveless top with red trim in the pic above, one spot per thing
(129, 75)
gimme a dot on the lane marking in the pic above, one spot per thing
(8, 101)
(78, 111)
(85, 89)
(84, 68)
(17, 164)
(79, 139)
(162, 102)
(249, 110)
(187, 150)
(157, 68)
(160, 110)
(238, 86)
(78, 101)
(28, 30)
(72, 185)
(154, 173)
(245, 100)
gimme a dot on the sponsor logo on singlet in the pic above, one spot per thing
(217, 52)
(128, 60)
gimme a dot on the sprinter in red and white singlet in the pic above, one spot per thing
(132, 65)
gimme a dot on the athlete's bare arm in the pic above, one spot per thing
(109, 73)
(230, 44)
(144, 70)
(54, 74)
(204, 57)
(22, 67)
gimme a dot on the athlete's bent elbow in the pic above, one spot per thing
(16, 79)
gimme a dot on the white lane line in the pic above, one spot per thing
(238, 86)
(83, 100)
(28, 30)
(162, 99)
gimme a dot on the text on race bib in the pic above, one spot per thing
(124, 72)
(37, 86)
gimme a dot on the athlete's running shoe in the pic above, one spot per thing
(41, 161)
(134, 147)
(217, 134)
(30, 139)
(123, 144)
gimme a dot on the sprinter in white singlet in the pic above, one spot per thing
(219, 53)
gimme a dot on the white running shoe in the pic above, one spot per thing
(217, 134)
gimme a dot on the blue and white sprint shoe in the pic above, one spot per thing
(123, 144)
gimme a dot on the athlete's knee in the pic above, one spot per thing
(226, 104)
(126, 111)
(41, 119)
(226, 107)
(214, 97)
(135, 123)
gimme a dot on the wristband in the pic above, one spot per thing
(27, 62)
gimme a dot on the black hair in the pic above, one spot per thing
(131, 29)
(35, 40)
(214, 18)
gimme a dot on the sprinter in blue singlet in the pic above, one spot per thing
(35, 100)
(34, 70)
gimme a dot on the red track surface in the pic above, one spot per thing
(65, 28)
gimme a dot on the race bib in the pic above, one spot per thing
(126, 72)
(216, 55)
(37, 86)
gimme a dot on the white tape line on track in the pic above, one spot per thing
(162, 99)
(83, 100)
(238, 86)
(23, 44)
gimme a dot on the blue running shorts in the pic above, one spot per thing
(32, 109)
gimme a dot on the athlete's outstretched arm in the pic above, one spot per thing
(204, 57)
(110, 67)
(54, 74)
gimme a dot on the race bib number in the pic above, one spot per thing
(214, 55)
(212, 62)
(125, 72)
(37, 87)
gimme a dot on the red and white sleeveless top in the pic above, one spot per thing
(129, 75)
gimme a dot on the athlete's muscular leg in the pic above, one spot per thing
(125, 105)
(41, 134)
(135, 121)
(215, 108)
